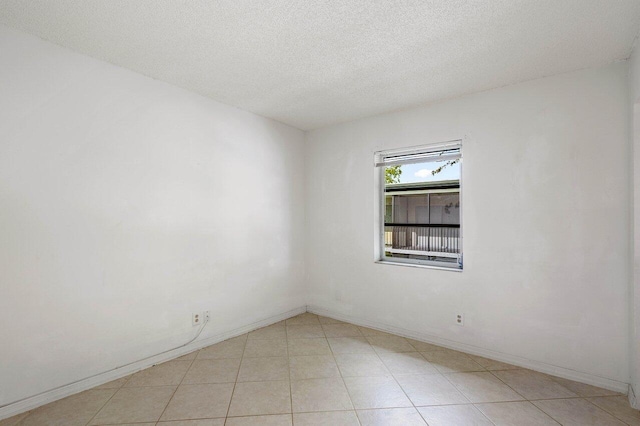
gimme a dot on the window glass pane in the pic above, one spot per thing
(400, 209)
(388, 210)
(445, 209)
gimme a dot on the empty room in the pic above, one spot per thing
(281, 212)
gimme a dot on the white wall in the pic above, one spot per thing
(126, 204)
(634, 73)
(545, 215)
(634, 102)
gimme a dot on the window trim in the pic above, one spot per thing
(379, 167)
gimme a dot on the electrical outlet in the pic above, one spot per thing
(196, 319)
(460, 319)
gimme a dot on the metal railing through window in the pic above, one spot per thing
(442, 240)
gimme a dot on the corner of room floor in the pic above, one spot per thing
(310, 369)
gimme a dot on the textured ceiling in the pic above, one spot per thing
(312, 63)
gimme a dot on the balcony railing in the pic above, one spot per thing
(423, 240)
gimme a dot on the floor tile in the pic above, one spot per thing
(131, 405)
(188, 357)
(13, 420)
(232, 348)
(449, 361)
(199, 401)
(407, 363)
(361, 365)
(165, 374)
(350, 345)
(490, 364)
(483, 387)
(327, 320)
(619, 407)
(324, 418)
(291, 366)
(270, 420)
(424, 346)
(582, 389)
(533, 385)
(114, 384)
(367, 332)
(576, 412)
(312, 367)
(265, 347)
(275, 331)
(304, 331)
(76, 409)
(391, 417)
(315, 346)
(264, 369)
(341, 330)
(259, 398)
(320, 395)
(515, 413)
(212, 371)
(376, 392)
(430, 389)
(390, 344)
(459, 415)
(303, 319)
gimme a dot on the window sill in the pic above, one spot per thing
(418, 265)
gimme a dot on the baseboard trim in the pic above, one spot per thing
(47, 397)
(542, 367)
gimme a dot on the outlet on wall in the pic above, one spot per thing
(196, 319)
(460, 319)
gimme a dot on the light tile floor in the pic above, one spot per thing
(311, 370)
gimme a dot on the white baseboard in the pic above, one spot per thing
(633, 399)
(542, 367)
(46, 397)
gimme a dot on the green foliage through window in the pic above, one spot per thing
(392, 174)
(447, 164)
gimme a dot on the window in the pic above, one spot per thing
(420, 209)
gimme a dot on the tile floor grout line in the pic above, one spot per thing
(107, 401)
(401, 388)
(462, 393)
(510, 402)
(580, 397)
(226, 416)
(551, 399)
(286, 339)
(455, 387)
(333, 355)
(527, 399)
(176, 389)
(507, 384)
(602, 408)
(548, 414)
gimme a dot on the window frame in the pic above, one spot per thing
(380, 199)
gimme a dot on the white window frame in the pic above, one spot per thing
(409, 155)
